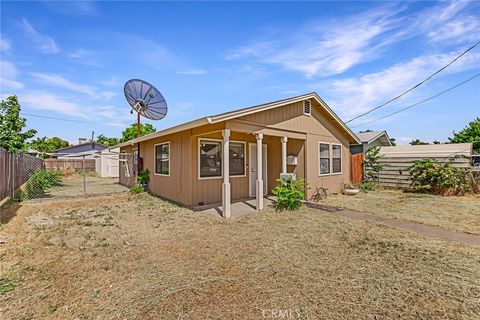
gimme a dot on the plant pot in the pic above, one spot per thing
(144, 185)
(351, 192)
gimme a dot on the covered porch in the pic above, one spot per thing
(267, 153)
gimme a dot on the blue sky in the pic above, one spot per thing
(71, 59)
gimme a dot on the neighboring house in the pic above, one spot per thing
(299, 135)
(370, 139)
(84, 148)
(106, 163)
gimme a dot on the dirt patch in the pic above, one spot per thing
(453, 213)
(124, 257)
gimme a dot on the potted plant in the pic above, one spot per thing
(144, 178)
(349, 189)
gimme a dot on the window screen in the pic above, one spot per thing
(162, 159)
(336, 158)
(237, 159)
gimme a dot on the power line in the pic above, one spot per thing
(422, 101)
(417, 85)
(64, 119)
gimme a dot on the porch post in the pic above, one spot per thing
(284, 154)
(259, 186)
(226, 174)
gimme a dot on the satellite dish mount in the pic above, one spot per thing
(146, 101)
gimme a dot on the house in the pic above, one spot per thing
(369, 140)
(83, 148)
(106, 163)
(299, 135)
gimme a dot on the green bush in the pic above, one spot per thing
(136, 188)
(289, 194)
(144, 176)
(371, 169)
(431, 176)
(40, 181)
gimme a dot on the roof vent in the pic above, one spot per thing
(307, 108)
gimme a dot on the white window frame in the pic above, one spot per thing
(199, 159)
(329, 157)
(307, 113)
(341, 158)
(244, 159)
(155, 159)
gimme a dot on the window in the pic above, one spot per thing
(210, 159)
(307, 107)
(162, 159)
(324, 158)
(237, 158)
(330, 155)
(336, 158)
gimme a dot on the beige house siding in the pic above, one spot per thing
(303, 132)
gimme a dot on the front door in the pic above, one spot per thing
(252, 165)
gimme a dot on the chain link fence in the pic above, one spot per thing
(26, 177)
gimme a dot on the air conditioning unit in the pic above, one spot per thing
(292, 160)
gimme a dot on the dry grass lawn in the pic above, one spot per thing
(138, 257)
(454, 213)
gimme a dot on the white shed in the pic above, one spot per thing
(106, 163)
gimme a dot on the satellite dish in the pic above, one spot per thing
(146, 101)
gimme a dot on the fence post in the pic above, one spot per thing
(84, 182)
(13, 176)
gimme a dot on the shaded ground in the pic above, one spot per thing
(124, 257)
(454, 213)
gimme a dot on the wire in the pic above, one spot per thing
(417, 85)
(420, 102)
(64, 119)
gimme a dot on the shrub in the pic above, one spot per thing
(144, 177)
(430, 176)
(40, 181)
(289, 194)
(137, 188)
(371, 169)
(366, 186)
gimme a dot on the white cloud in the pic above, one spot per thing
(111, 83)
(193, 72)
(44, 43)
(73, 7)
(352, 96)
(80, 53)
(462, 30)
(61, 82)
(48, 101)
(319, 49)
(323, 49)
(5, 44)
(8, 76)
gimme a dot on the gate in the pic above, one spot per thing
(356, 168)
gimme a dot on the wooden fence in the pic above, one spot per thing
(356, 168)
(64, 164)
(15, 169)
(398, 160)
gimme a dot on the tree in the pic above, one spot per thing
(372, 165)
(131, 132)
(393, 141)
(107, 141)
(47, 145)
(470, 133)
(417, 142)
(11, 125)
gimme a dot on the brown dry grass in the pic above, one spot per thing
(125, 257)
(454, 213)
